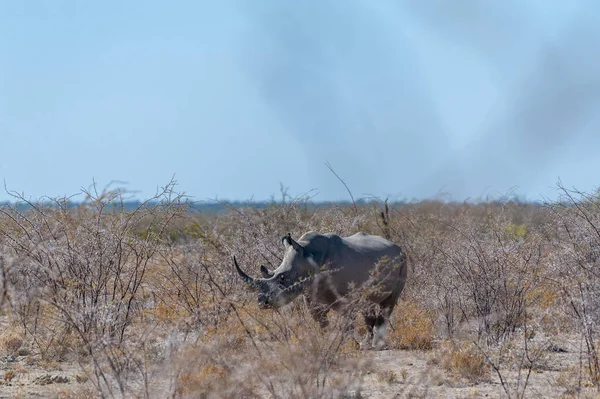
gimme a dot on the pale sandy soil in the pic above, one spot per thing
(424, 380)
(35, 381)
(413, 377)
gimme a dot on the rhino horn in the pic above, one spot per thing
(266, 273)
(244, 276)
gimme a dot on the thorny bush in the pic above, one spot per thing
(148, 302)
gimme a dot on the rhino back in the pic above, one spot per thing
(355, 258)
(372, 245)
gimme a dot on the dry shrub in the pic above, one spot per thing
(576, 383)
(495, 272)
(231, 335)
(414, 327)
(145, 297)
(78, 393)
(463, 360)
(11, 342)
(568, 379)
(387, 377)
(298, 368)
(203, 379)
(574, 231)
(252, 352)
(403, 374)
(80, 272)
(473, 267)
(9, 375)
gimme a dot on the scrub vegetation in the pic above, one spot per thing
(99, 300)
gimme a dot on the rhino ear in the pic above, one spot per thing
(286, 240)
(266, 273)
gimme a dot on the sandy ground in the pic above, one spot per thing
(393, 374)
(35, 381)
(423, 380)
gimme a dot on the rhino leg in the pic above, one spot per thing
(376, 321)
(387, 307)
(349, 327)
(370, 323)
(380, 328)
(383, 318)
(371, 317)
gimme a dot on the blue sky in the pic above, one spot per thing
(405, 99)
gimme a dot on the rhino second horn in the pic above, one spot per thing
(266, 273)
(244, 276)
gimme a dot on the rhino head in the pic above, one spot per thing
(281, 286)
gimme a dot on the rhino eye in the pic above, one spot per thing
(281, 277)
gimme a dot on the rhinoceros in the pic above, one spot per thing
(326, 268)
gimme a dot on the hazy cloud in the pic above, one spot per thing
(550, 81)
(346, 79)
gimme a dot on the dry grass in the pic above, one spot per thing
(414, 327)
(147, 303)
(387, 377)
(9, 375)
(10, 342)
(463, 360)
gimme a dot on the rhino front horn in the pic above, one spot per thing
(244, 276)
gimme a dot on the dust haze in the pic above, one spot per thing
(413, 99)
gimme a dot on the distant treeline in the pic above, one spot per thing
(205, 207)
(219, 207)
